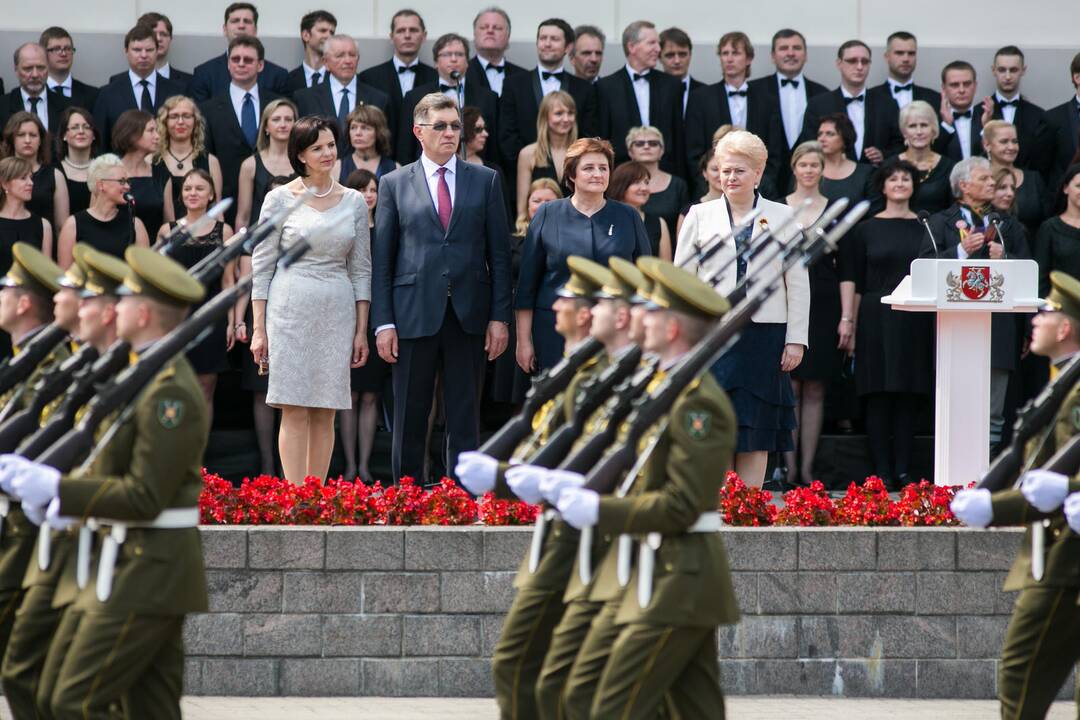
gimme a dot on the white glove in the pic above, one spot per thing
(524, 480)
(1072, 511)
(55, 519)
(34, 513)
(973, 508)
(477, 471)
(554, 482)
(10, 466)
(1044, 489)
(579, 507)
(36, 484)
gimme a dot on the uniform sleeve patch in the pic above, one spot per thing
(170, 413)
(698, 424)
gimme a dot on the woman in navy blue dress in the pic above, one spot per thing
(583, 224)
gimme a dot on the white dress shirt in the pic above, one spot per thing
(641, 92)
(856, 112)
(961, 127)
(136, 86)
(236, 94)
(904, 97)
(453, 91)
(335, 92)
(164, 71)
(42, 110)
(1008, 114)
(406, 80)
(792, 107)
(553, 83)
(309, 71)
(685, 93)
(494, 77)
(63, 87)
(737, 105)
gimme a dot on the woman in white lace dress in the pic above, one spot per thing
(310, 321)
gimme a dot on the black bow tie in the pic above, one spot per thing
(444, 88)
(1008, 103)
(406, 68)
(849, 100)
(740, 93)
(789, 81)
(548, 75)
(958, 114)
(497, 68)
(902, 88)
(635, 77)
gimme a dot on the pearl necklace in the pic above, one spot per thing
(317, 194)
(73, 166)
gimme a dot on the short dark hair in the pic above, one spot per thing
(140, 32)
(567, 30)
(370, 115)
(53, 33)
(308, 21)
(675, 36)
(249, 41)
(407, 12)
(903, 35)
(1074, 66)
(129, 127)
(891, 167)
(958, 65)
(304, 134)
(843, 125)
(1010, 50)
(784, 34)
(443, 40)
(850, 44)
(153, 18)
(1067, 177)
(591, 30)
(470, 114)
(242, 6)
(360, 178)
(623, 177)
(60, 144)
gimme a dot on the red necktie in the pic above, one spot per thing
(445, 205)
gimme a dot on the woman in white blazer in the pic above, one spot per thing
(755, 371)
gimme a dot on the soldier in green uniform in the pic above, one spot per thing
(1042, 642)
(661, 630)
(541, 579)
(91, 279)
(126, 649)
(25, 309)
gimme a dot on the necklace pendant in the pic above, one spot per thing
(179, 165)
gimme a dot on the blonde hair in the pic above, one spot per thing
(920, 109)
(198, 131)
(543, 136)
(746, 144)
(720, 132)
(263, 141)
(806, 148)
(634, 132)
(992, 128)
(521, 223)
(101, 165)
(999, 176)
(13, 168)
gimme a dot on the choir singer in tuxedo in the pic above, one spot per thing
(441, 284)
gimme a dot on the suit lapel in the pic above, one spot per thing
(723, 106)
(461, 186)
(326, 99)
(420, 186)
(631, 96)
(538, 92)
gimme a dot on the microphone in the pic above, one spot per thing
(129, 199)
(993, 219)
(924, 218)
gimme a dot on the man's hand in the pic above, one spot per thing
(579, 507)
(558, 480)
(386, 344)
(525, 481)
(1044, 489)
(874, 155)
(1072, 511)
(997, 250)
(476, 471)
(36, 484)
(987, 109)
(973, 242)
(496, 339)
(973, 508)
(10, 466)
(945, 111)
(55, 519)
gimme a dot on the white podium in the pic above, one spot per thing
(964, 293)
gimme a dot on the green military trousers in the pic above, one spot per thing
(566, 642)
(35, 624)
(520, 651)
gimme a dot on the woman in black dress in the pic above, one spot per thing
(369, 137)
(668, 194)
(17, 223)
(107, 225)
(630, 185)
(269, 166)
(76, 146)
(25, 137)
(585, 224)
(842, 177)
(894, 363)
(474, 139)
(1002, 147)
(182, 132)
(1057, 246)
(135, 139)
(919, 126)
(556, 131)
(208, 357)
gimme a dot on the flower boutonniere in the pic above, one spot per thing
(962, 226)
(763, 224)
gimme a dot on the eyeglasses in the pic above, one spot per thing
(62, 50)
(645, 143)
(441, 126)
(480, 129)
(243, 60)
(121, 181)
(174, 117)
(451, 54)
(856, 61)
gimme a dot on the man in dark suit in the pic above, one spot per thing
(587, 54)
(637, 94)
(961, 120)
(440, 285)
(733, 101)
(523, 92)
(451, 53)
(877, 126)
(1065, 120)
(1035, 134)
(139, 88)
(676, 51)
(315, 29)
(60, 56)
(790, 92)
(32, 95)
(342, 92)
(212, 77)
(901, 55)
(163, 32)
(490, 69)
(232, 118)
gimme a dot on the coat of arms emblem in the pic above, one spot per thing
(975, 283)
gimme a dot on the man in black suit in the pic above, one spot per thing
(212, 77)
(961, 120)
(141, 87)
(1035, 134)
(490, 69)
(451, 52)
(877, 126)
(587, 54)
(60, 56)
(342, 92)
(315, 28)
(901, 55)
(440, 285)
(32, 95)
(733, 101)
(790, 91)
(676, 51)
(637, 94)
(163, 32)
(404, 71)
(1065, 120)
(523, 92)
(232, 117)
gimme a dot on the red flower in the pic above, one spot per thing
(742, 505)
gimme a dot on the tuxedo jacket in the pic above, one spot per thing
(408, 149)
(118, 97)
(417, 267)
(1035, 135)
(319, 100)
(296, 80)
(384, 76)
(618, 112)
(13, 103)
(947, 143)
(918, 92)
(212, 78)
(225, 139)
(476, 76)
(1064, 119)
(82, 94)
(520, 106)
(177, 77)
(771, 86)
(881, 128)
